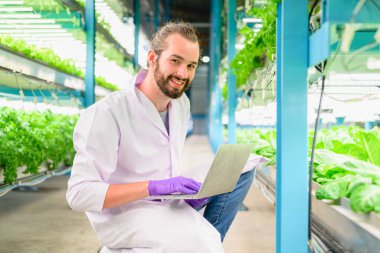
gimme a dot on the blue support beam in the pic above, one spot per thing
(156, 14)
(369, 125)
(215, 117)
(324, 42)
(90, 53)
(338, 11)
(136, 20)
(319, 45)
(340, 121)
(292, 209)
(231, 78)
(167, 9)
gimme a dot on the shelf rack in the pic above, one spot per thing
(38, 76)
(333, 222)
(297, 51)
(32, 180)
(73, 5)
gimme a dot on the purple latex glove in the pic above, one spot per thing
(172, 185)
(195, 203)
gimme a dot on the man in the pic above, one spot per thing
(128, 148)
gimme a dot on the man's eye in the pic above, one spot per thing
(175, 61)
(191, 66)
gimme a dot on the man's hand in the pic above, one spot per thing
(172, 185)
(195, 203)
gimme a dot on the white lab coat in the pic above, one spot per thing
(122, 139)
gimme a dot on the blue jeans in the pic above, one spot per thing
(221, 209)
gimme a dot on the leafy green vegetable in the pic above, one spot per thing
(258, 47)
(48, 56)
(371, 144)
(366, 199)
(335, 189)
(345, 162)
(32, 139)
(339, 163)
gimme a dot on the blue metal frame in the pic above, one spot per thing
(231, 78)
(319, 49)
(339, 11)
(215, 118)
(167, 8)
(322, 44)
(90, 53)
(156, 14)
(292, 196)
(340, 121)
(136, 19)
(36, 94)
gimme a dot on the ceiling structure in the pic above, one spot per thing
(198, 13)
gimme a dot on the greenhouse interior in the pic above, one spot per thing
(273, 106)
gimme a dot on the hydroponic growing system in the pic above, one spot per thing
(308, 100)
(299, 80)
(43, 80)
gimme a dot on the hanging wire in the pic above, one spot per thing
(35, 99)
(21, 92)
(43, 95)
(324, 69)
(311, 13)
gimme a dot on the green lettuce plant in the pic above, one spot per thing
(31, 139)
(345, 162)
(47, 55)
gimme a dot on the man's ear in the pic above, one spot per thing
(152, 56)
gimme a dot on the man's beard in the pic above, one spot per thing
(165, 87)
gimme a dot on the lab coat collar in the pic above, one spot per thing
(150, 111)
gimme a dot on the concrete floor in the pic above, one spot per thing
(40, 221)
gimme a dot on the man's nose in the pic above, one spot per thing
(183, 72)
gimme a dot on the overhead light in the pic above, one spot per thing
(12, 2)
(32, 31)
(18, 16)
(15, 9)
(251, 20)
(26, 21)
(205, 59)
(43, 35)
(26, 26)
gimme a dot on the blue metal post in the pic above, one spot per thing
(292, 169)
(340, 121)
(369, 125)
(211, 70)
(89, 79)
(167, 8)
(231, 78)
(156, 14)
(215, 119)
(136, 6)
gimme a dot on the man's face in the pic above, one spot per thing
(175, 67)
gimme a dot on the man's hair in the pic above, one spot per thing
(186, 30)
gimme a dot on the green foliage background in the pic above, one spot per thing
(34, 138)
(346, 162)
(259, 47)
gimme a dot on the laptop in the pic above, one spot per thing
(223, 174)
